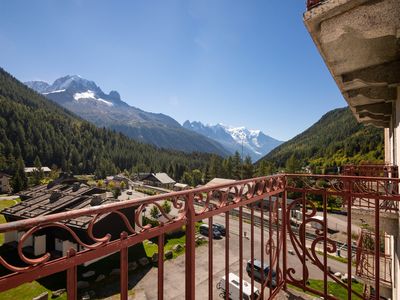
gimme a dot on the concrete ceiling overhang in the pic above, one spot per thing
(359, 41)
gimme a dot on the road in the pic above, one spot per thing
(174, 276)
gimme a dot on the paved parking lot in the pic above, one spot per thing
(174, 276)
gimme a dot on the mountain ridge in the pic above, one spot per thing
(84, 98)
(32, 126)
(334, 140)
(254, 142)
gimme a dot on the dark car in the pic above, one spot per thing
(204, 231)
(220, 228)
(258, 270)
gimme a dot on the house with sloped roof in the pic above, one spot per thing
(62, 195)
(160, 180)
(30, 170)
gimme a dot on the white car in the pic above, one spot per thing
(234, 288)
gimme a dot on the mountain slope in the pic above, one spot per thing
(31, 125)
(337, 138)
(86, 99)
(255, 143)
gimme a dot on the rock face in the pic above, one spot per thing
(84, 98)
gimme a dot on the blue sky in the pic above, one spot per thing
(243, 63)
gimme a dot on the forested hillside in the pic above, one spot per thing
(31, 127)
(336, 139)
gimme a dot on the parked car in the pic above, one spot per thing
(220, 228)
(258, 270)
(234, 288)
(204, 231)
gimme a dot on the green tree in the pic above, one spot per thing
(38, 173)
(116, 193)
(154, 212)
(227, 167)
(166, 206)
(19, 181)
(237, 166)
(122, 185)
(292, 165)
(265, 168)
(197, 177)
(187, 178)
(248, 169)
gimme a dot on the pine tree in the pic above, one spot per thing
(236, 166)
(19, 181)
(292, 165)
(248, 170)
(38, 173)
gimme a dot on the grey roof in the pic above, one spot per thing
(164, 178)
(161, 177)
(54, 198)
(181, 185)
(33, 169)
(218, 181)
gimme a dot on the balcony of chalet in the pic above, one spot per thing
(300, 227)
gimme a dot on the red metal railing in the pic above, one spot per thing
(374, 170)
(365, 256)
(285, 213)
(371, 170)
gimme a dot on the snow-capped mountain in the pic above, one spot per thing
(86, 99)
(255, 143)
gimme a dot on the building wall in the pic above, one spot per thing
(396, 263)
(5, 185)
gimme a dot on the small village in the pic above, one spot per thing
(67, 193)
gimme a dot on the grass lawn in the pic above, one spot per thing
(151, 247)
(4, 204)
(28, 291)
(333, 288)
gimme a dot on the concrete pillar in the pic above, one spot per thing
(39, 245)
(396, 258)
(388, 156)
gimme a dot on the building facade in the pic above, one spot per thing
(359, 41)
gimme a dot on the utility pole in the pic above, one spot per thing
(241, 175)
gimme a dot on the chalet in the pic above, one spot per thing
(219, 181)
(160, 180)
(5, 186)
(62, 195)
(30, 170)
(139, 176)
(181, 186)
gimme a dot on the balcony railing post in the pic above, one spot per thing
(377, 251)
(348, 200)
(161, 267)
(124, 268)
(284, 224)
(190, 249)
(72, 277)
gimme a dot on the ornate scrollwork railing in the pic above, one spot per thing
(309, 234)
